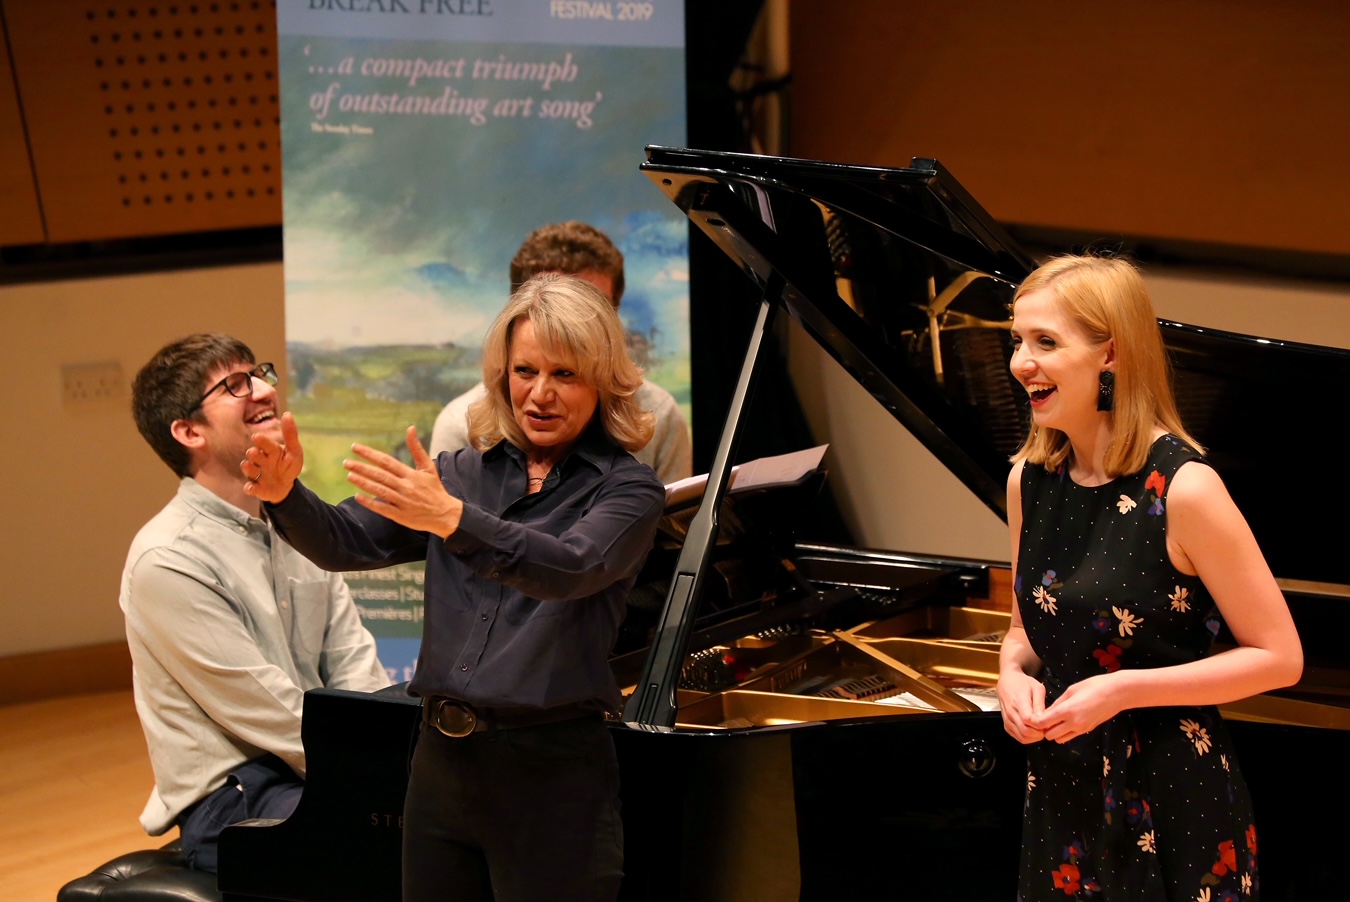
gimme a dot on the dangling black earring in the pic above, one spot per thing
(1106, 391)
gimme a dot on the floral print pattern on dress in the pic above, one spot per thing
(1069, 877)
(1109, 657)
(1157, 483)
(1138, 812)
(1044, 600)
(1197, 734)
(1128, 621)
(1120, 603)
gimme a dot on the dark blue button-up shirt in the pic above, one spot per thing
(524, 599)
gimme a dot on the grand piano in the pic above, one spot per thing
(816, 722)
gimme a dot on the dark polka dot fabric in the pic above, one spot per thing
(1150, 805)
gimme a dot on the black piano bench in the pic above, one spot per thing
(150, 875)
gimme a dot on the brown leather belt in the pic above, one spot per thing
(458, 719)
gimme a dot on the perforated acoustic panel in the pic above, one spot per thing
(149, 118)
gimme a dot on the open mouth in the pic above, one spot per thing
(1041, 393)
(264, 417)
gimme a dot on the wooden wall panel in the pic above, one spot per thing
(148, 117)
(1216, 121)
(20, 216)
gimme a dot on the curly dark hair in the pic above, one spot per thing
(569, 248)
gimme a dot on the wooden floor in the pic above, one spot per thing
(74, 776)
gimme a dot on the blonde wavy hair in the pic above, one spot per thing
(1107, 298)
(575, 323)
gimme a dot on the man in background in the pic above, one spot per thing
(228, 626)
(577, 249)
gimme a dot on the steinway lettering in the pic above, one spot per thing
(377, 819)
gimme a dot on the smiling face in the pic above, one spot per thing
(231, 422)
(1057, 362)
(550, 402)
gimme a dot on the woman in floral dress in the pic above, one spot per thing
(1127, 551)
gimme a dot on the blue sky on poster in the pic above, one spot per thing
(400, 224)
(418, 151)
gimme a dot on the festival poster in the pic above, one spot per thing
(422, 140)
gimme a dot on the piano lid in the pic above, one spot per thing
(905, 280)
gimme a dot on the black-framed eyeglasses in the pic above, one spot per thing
(241, 384)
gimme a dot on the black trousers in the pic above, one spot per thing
(514, 816)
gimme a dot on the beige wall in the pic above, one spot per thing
(1190, 119)
(79, 480)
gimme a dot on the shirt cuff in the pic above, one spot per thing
(473, 522)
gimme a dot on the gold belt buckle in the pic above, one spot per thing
(454, 719)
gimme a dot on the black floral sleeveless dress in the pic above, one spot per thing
(1150, 805)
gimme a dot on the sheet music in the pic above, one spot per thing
(986, 699)
(781, 469)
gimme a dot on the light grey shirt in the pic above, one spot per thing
(228, 627)
(670, 452)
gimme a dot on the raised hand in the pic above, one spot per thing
(272, 467)
(410, 496)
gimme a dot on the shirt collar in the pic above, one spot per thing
(205, 501)
(593, 448)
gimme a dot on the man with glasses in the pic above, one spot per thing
(227, 625)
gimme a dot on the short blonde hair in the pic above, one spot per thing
(1107, 298)
(574, 322)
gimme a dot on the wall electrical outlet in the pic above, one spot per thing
(82, 382)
